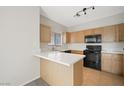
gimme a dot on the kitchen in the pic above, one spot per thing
(101, 47)
(62, 46)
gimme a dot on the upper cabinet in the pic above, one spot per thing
(73, 37)
(109, 34)
(98, 31)
(88, 32)
(66, 37)
(76, 37)
(80, 37)
(114, 33)
(45, 34)
(121, 32)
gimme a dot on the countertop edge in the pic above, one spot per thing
(36, 55)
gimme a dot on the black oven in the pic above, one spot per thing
(93, 57)
(93, 39)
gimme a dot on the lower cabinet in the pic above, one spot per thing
(106, 64)
(112, 63)
(56, 74)
(93, 77)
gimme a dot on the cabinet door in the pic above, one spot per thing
(121, 32)
(112, 63)
(98, 31)
(106, 62)
(109, 34)
(45, 33)
(90, 76)
(79, 37)
(73, 37)
(117, 64)
(89, 32)
(66, 37)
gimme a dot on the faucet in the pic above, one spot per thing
(53, 47)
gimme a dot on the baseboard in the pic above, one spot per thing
(29, 81)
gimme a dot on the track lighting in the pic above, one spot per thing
(79, 13)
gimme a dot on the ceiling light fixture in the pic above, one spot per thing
(83, 11)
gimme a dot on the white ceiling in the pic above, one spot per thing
(64, 14)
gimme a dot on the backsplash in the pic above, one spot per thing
(77, 46)
(105, 46)
(113, 46)
(82, 46)
(46, 47)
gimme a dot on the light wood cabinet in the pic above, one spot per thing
(56, 74)
(73, 37)
(76, 37)
(114, 33)
(80, 37)
(89, 32)
(98, 31)
(117, 64)
(106, 63)
(45, 33)
(112, 63)
(121, 32)
(66, 37)
(109, 34)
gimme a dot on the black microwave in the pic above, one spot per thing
(93, 39)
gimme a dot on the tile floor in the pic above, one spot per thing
(38, 82)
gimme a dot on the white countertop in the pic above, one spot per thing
(113, 51)
(60, 57)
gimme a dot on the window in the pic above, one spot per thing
(56, 39)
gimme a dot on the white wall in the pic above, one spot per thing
(55, 27)
(116, 19)
(19, 35)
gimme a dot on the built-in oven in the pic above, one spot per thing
(93, 39)
(93, 57)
